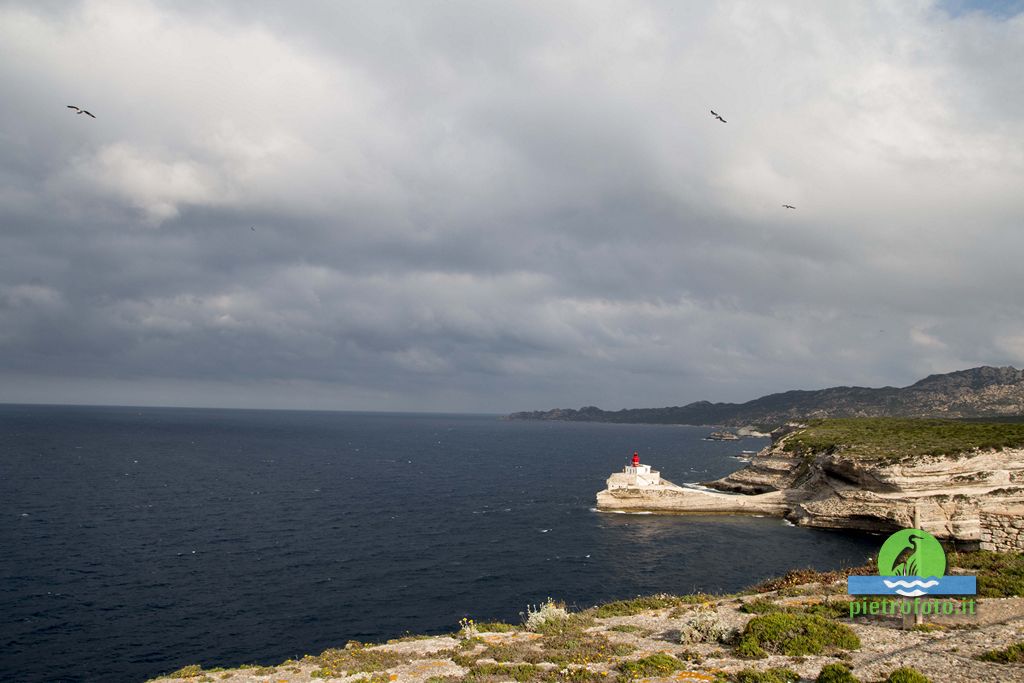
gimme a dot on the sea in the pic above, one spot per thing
(138, 540)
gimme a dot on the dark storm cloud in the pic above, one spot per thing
(501, 206)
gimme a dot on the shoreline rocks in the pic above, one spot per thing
(964, 497)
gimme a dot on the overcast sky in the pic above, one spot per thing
(497, 206)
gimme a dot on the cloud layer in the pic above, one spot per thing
(500, 206)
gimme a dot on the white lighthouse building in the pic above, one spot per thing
(635, 475)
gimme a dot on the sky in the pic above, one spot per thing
(489, 207)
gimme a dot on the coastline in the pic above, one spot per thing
(964, 491)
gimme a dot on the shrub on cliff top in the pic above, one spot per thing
(659, 664)
(335, 662)
(836, 673)
(190, 671)
(774, 675)
(906, 674)
(760, 606)
(624, 608)
(539, 615)
(794, 634)
(706, 627)
(494, 627)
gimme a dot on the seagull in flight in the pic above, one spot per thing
(79, 110)
(788, 206)
(717, 116)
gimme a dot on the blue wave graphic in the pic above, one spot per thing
(911, 586)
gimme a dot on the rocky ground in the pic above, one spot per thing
(616, 642)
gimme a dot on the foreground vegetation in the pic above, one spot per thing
(886, 438)
(801, 615)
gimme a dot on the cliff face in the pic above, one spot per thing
(977, 392)
(945, 495)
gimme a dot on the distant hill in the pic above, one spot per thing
(975, 393)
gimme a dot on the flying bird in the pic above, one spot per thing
(79, 110)
(252, 228)
(788, 206)
(717, 116)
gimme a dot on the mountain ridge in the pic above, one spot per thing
(980, 392)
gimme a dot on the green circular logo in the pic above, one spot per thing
(912, 552)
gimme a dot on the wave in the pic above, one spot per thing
(917, 585)
(911, 584)
(622, 512)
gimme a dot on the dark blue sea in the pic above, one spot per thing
(137, 540)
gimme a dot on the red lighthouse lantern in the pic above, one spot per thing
(636, 459)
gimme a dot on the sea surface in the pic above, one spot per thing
(137, 540)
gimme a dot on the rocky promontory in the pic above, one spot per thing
(949, 478)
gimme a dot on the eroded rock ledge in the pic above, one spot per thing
(944, 494)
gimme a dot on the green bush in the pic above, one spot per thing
(760, 606)
(655, 665)
(625, 608)
(830, 609)
(906, 674)
(794, 635)
(836, 673)
(1008, 655)
(494, 627)
(775, 675)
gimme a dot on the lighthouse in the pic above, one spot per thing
(635, 475)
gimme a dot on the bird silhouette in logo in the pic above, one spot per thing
(906, 563)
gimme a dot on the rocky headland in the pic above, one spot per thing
(948, 478)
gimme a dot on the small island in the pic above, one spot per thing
(961, 481)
